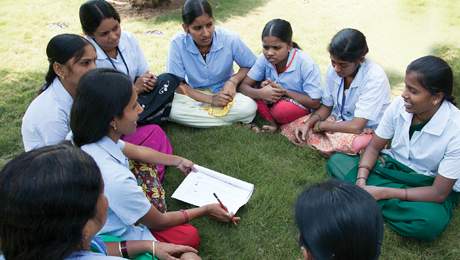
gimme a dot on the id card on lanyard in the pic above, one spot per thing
(343, 101)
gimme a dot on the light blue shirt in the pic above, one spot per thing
(435, 149)
(367, 97)
(127, 202)
(184, 59)
(46, 121)
(87, 255)
(302, 76)
(131, 52)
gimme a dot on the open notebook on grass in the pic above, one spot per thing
(198, 188)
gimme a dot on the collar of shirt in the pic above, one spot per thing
(437, 123)
(113, 149)
(216, 45)
(358, 77)
(64, 98)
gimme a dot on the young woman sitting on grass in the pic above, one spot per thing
(338, 220)
(292, 80)
(204, 54)
(355, 95)
(62, 224)
(120, 50)
(414, 182)
(47, 120)
(105, 108)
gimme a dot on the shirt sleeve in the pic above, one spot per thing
(174, 62)
(125, 197)
(312, 81)
(242, 55)
(373, 96)
(54, 131)
(386, 128)
(257, 72)
(448, 167)
(327, 98)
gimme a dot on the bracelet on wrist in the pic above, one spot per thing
(180, 164)
(153, 250)
(319, 122)
(318, 116)
(365, 167)
(311, 125)
(361, 178)
(236, 85)
(124, 250)
(185, 215)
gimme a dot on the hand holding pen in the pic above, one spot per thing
(225, 208)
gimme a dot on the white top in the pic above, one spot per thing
(127, 202)
(302, 76)
(131, 52)
(184, 59)
(46, 121)
(367, 97)
(87, 255)
(435, 149)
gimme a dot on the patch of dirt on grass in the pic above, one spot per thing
(127, 11)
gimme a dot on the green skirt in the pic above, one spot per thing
(421, 220)
(106, 238)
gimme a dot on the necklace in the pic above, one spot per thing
(203, 54)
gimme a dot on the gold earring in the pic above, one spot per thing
(435, 102)
(114, 126)
(86, 235)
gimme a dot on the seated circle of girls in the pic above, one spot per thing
(47, 119)
(416, 181)
(204, 54)
(355, 95)
(291, 83)
(111, 100)
(38, 224)
(120, 50)
(329, 216)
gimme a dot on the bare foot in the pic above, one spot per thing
(272, 128)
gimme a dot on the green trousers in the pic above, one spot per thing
(421, 220)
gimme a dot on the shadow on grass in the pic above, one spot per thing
(223, 10)
(17, 90)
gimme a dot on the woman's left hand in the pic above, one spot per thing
(229, 89)
(376, 192)
(145, 83)
(187, 166)
(166, 250)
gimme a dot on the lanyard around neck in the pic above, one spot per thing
(123, 59)
(343, 100)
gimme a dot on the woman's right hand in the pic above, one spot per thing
(300, 133)
(216, 212)
(166, 250)
(221, 99)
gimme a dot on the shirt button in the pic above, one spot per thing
(207, 79)
(205, 67)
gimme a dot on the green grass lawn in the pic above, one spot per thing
(397, 33)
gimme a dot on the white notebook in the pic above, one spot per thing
(198, 188)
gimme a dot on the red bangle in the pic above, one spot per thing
(185, 215)
(124, 250)
(311, 125)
